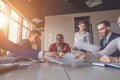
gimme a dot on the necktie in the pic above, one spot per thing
(104, 41)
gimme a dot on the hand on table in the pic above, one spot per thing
(81, 56)
(108, 59)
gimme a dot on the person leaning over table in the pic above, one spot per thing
(103, 55)
(23, 51)
(33, 39)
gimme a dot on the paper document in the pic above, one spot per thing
(26, 63)
(68, 58)
(16, 64)
(74, 51)
(7, 60)
(89, 47)
(99, 64)
(115, 65)
(7, 66)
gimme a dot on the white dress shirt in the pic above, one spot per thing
(80, 38)
(110, 48)
(40, 55)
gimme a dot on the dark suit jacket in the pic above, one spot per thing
(113, 36)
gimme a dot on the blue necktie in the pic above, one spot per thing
(104, 41)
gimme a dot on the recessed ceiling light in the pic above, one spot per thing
(36, 20)
(92, 3)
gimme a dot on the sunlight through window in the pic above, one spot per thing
(13, 31)
(3, 6)
(3, 21)
(25, 33)
(14, 15)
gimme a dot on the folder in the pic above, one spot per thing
(114, 65)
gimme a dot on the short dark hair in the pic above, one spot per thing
(82, 22)
(60, 35)
(105, 22)
(34, 32)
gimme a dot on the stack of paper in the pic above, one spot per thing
(115, 65)
(68, 58)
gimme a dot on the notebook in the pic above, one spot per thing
(115, 65)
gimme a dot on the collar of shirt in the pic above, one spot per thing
(83, 33)
(108, 36)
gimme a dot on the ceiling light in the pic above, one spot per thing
(36, 20)
(92, 3)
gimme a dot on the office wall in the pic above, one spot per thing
(65, 24)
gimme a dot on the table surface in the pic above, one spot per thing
(53, 71)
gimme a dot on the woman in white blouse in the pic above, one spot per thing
(82, 36)
(104, 54)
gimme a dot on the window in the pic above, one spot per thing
(3, 18)
(3, 6)
(3, 21)
(14, 15)
(25, 33)
(26, 29)
(13, 31)
(25, 23)
(16, 27)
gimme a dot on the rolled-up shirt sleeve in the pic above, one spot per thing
(40, 55)
(112, 47)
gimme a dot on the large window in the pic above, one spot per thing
(15, 16)
(14, 27)
(26, 29)
(13, 31)
(3, 6)
(25, 33)
(3, 21)
(3, 17)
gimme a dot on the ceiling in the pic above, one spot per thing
(41, 8)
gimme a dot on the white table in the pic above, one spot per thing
(53, 71)
(89, 72)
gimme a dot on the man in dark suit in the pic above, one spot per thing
(104, 29)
